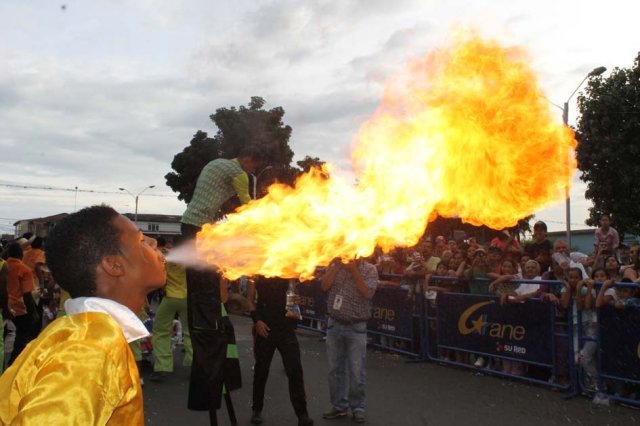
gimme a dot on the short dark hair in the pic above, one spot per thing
(540, 224)
(161, 241)
(37, 242)
(15, 251)
(77, 245)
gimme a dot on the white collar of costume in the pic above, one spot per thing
(129, 322)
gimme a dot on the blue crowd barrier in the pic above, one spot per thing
(614, 342)
(528, 333)
(534, 333)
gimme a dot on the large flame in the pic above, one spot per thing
(465, 132)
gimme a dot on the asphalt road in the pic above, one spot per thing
(399, 393)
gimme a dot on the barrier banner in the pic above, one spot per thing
(313, 301)
(478, 323)
(391, 313)
(620, 341)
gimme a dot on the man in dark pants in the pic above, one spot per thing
(212, 334)
(275, 330)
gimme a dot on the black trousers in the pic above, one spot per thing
(284, 340)
(210, 334)
(24, 334)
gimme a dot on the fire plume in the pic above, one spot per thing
(464, 132)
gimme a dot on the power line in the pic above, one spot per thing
(93, 191)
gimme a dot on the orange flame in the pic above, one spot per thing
(466, 132)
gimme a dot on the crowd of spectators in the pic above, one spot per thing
(584, 281)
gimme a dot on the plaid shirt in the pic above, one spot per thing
(353, 307)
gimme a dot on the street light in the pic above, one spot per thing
(565, 119)
(255, 181)
(135, 217)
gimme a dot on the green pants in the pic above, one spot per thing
(136, 350)
(162, 326)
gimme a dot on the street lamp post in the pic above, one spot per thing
(135, 217)
(255, 181)
(565, 119)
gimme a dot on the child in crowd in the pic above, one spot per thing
(477, 274)
(507, 272)
(612, 266)
(457, 265)
(583, 304)
(621, 297)
(521, 293)
(433, 286)
(412, 272)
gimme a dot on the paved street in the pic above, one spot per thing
(399, 393)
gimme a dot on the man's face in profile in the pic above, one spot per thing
(144, 262)
(250, 165)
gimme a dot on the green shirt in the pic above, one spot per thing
(219, 180)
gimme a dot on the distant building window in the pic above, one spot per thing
(153, 227)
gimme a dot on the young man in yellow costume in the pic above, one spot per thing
(80, 369)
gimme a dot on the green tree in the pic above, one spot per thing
(308, 162)
(237, 128)
(608, 132)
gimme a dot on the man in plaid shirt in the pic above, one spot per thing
(351, 287)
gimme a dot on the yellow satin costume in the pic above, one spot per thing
(79, 371)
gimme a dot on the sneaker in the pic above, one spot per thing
(305, 421)
(358, 417)
(159, 376)
(600, 399)
(479, 362)
(256, 418)
(334, 413)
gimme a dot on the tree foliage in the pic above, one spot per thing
(308, 162)
(608, 132)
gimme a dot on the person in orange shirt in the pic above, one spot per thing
(80, 369)
(23, 307)
(5, 312)
(35, 260)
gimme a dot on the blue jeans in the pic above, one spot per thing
(347, 352)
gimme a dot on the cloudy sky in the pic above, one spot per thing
(102, 94)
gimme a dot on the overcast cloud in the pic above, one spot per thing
(103, 94)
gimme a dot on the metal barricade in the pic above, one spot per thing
(618, 350)
(313, 306)
(393, 326)
(462, 325)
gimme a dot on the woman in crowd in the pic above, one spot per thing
(612, 267)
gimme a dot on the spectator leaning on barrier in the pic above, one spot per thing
(621, 297)
(477, 274)
(612, 267)
(584, 304)
(508, 272)
(350, 288)
(457, 265)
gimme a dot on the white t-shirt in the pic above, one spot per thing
(526, 288)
